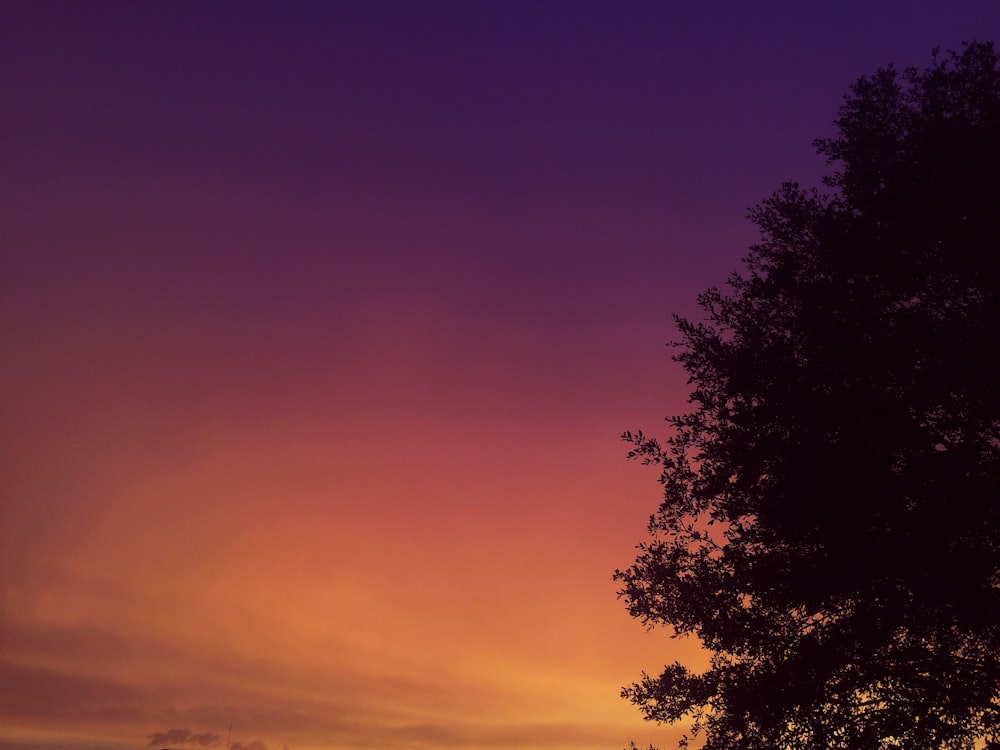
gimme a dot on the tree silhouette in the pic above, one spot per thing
(830, 528)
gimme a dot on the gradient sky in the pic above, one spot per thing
(319, 325)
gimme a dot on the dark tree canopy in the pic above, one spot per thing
(830, 528)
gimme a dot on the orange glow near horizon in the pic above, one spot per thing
(329, 568)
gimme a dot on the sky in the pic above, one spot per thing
(319, 326)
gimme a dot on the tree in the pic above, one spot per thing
(830, 524)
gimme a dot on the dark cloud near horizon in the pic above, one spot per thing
(255, 745)
(36, 695)
(169, 737)
(183, 736)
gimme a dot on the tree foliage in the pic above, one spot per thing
(830, 525)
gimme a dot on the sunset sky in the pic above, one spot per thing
(320, 323)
